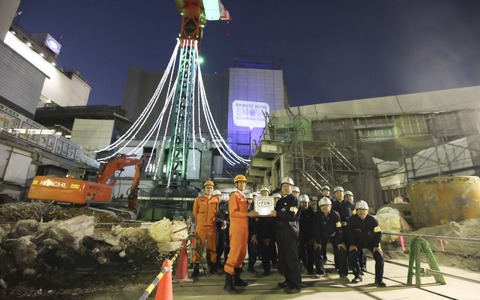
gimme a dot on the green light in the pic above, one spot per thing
(201, 60)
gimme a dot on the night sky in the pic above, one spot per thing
(330, 50)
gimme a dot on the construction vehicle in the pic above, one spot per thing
(83, 192)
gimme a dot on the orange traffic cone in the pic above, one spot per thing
(164, 288)
(181, 273)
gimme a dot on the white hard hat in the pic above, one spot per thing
(217, 192)
(361, 205)
(287, 180)
(338, 188)
(277, 195)
(295, 189)
(265, 189)
(304, 198)
(348, 193)
(249, 196)
(326, 187)
(324, 201)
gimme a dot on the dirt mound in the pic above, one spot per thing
(461, 253)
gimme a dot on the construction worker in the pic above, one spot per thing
(252, 236)
(238, 211)
(306, 240)
(363, 232)
(264, 192)
(273, 247)
(326, 192)
(221, 227)
(296, 191)
(287, 213)
(266, 238)
(205, 210)
(327, 228)
(362, 254)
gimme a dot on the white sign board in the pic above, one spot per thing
(264, 205)
(249, 114)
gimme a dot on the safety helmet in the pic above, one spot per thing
(304, 198)
(295, 189)
(287, 180)
(217, 192)
(265, 189)
(324, 201)
(209, 182)
(277, 195)
(240, 178)
(326, 187)
(338, 188)
(348, 193)
(361, 205)
(249, 196)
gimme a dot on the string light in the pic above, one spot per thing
(189, 71)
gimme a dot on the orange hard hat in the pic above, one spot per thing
(209, 182)
(240, 178)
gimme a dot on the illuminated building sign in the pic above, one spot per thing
(249, 114)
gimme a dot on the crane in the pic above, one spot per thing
(194, 18)
(184, 95)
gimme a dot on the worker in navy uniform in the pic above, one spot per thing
(273, 248)
(325, 193)
(287, 213)
(362, 254)
(265, 229)
(327, 228)
(222, 233)
(306, 240)
(363, 232)
(252, 236)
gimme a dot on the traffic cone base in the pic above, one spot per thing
(181, 273)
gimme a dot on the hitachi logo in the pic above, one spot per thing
(53, 183)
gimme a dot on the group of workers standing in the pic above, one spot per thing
(293, 228)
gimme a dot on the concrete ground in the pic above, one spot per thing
(330, 287)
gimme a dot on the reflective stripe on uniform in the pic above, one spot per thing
(338, 224)
(294, 209)
(377, 229)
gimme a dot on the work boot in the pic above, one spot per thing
(229, 286)
(237, 280)
(213, 269)
(196, 270)
(357, 279)
(380, 284)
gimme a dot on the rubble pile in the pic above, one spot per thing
(45, 212)
(59, 253)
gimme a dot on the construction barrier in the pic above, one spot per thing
(165, 288)
(419, 246)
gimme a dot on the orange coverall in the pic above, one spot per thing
(205, 212)
(238, 209)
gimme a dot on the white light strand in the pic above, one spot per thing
(215, 132)
(146, 112)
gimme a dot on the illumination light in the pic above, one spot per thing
(29, 44)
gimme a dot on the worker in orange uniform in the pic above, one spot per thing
(205, 210)
(238, 211)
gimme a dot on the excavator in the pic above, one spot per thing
(82, 192)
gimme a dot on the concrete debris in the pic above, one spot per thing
(59, 252)
(390, 220)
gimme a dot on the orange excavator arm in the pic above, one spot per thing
(133, 192)
(117, 163)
